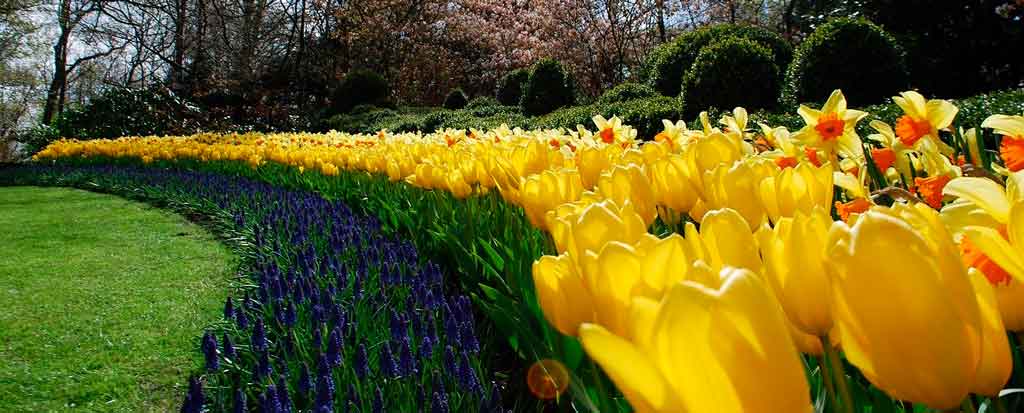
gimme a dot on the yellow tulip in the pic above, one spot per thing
(725, 240)
(547, 190)
(597, 224)
(799, 189)
(905, 310)
(705, 348)
(709, 152)
(620, 272)
(591, 162)
(996, 362)
(794, 257)
(563, 298)
(629, 183)
(670, 182)
(736, 186)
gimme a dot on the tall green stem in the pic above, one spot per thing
(997, 404)
(827, 378)
(839, 374)
(968, 405)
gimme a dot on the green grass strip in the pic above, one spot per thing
(103, 301)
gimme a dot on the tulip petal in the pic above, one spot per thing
(633, 373)
(996, 362)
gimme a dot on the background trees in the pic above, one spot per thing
(273, 63)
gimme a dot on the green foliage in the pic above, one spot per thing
(626, 91)
(359, 121)
(856, 56)
(360, 86)
(128, 112)
(666, 65)
(482, 101)
(729, 73)
(510, 88)
(456, 99)
(549, 87)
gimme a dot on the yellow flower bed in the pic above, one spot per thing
(782, 248)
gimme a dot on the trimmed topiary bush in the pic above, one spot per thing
(548, 88)
(456, 99)
(510, 89)
(854, 55)
(359, 87)
(626, 91)
(732, 72)
(665, 66)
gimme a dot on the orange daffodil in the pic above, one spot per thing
(832, 129)
(1011, 149)
(758, 268)
(923, 119)
(988, 220)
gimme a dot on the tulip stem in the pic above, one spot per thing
(997, 403)
(968, 405)
(836, 365)
(827, 378)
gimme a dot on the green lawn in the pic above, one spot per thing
(102, 301)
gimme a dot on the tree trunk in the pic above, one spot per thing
(178, 67)
(661, 21)
(55, 93)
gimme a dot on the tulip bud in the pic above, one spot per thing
(563, 298)
(905, 309)
(675, 361)
(545, 191)
(794, 256)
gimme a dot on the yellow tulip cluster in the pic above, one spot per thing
(772, 260)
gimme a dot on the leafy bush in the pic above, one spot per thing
(853, 55)
(127, 112)
(732, 72)
(456, 99)
(361, 86)
(666, 65)
(626, 91)
(548, 88)
(361, 121)
(510, 88)
(482, 101)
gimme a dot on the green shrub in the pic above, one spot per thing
(456, 99)
(482, 101)
(360, 86)
(362, 121)
(128, 111)
(732, 72)
(853, 55)
(548, 88)
(665, 66)
(510, 88)
(626, 91)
